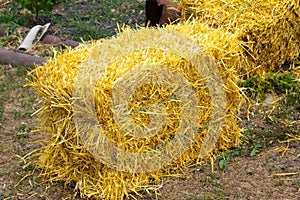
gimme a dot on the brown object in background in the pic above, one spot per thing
(159, 12)
(153, 12)
(19, 59)
(170, 12)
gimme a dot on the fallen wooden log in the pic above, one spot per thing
(19, 59)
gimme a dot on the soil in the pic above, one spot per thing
(247, 176)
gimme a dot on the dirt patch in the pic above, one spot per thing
(243, 178)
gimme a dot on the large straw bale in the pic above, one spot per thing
(66, 157)
(269, 29)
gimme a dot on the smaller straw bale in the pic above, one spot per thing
(269, 30)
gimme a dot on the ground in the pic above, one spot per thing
(261, 168)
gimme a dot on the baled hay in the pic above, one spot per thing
(67, 156)
(270, 30)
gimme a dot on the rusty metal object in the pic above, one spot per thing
(160, 12)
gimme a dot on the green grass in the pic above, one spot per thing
(4, 94)
(279, 183)
(13, 18)
(13, 80)
(255, 141)
(287, 109)
(258, 86)
(79, 19)
(4, 195)
(1, 107)
(296, 182)
(98, 20)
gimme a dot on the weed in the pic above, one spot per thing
(255, 141)
(279, 183)
(1, 109)
(6, 195)
(258, 139)
(208, 196)
(254, 151)
(22, 136)
(13, 18)
(16, 113)
(21, 71)
(22, 127)
(200, 168)
(3, 97)
(287, 88)
(4, 173)
(225, 157)
(296, 182)
(281, 83)
(220, 193)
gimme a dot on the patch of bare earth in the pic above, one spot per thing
(244, 178)
(250, 177)
(17, 139)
